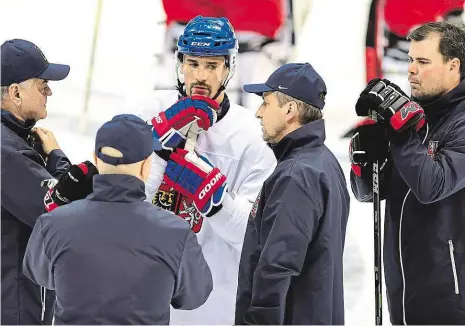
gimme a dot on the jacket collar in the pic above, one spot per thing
(21, 128)
(311, 134)
(437, 108)
(117, 188)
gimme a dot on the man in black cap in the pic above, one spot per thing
(24, 90)
(291, 263)
(113, 258)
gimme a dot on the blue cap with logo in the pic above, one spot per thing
(23, 60)
(298, 80)
(130, 135)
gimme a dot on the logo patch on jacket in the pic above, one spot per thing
(432, 148)
(254, 209)
(173, 201)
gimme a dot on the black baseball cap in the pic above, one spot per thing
(298, 80)
(23, 60)
(127, 133)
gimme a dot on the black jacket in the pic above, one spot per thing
(423, 184)
(291, 263)
(114, 259)
(23, 170)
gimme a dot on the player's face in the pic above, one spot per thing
(428, 74)
(203, 75)
(272, 118)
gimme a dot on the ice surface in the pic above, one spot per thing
(130, 35)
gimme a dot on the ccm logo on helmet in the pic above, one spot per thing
(200, 44)
(209, 185)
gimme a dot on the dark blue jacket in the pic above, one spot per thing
(23, 170)
(291, 263)
(114, 259)
(423, 184)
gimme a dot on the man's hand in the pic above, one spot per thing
(170, 127)
(393, 107)
(368, 144)
(75, 184)
(196, 178)
(47, 138)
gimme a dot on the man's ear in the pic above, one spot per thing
(291, 111)
(454, 65)
(14, 94)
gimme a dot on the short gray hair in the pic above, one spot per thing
(307, 112)
(3, 91)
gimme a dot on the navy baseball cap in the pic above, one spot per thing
(298, 80)
(127, 133)
(23, 60)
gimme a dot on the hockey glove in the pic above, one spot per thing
(196, 178)
(367, 100)
(75, 184)
(393, 107)
(368, 144)
(171, 126)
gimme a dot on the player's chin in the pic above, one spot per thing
(201, 92)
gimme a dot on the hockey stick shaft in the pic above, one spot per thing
(377, 245)
(377, 242)
(191, 138)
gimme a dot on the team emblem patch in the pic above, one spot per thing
(432, 148)
(171, 200)
(187, 211)
(165, 197)
(254, 210)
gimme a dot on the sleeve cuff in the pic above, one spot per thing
(54, 158)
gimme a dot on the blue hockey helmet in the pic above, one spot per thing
(207, 37)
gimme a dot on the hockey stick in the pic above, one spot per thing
(377, 240)
(191, 138)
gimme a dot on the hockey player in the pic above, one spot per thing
(263, 29)
(422, 179)
(229, 154)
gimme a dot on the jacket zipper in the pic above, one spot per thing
(454, 270)
(404, 319)
(43, 293)
(400, 258)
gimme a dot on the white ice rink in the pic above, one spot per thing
(130, 34)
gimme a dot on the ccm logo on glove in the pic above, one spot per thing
(158, 119)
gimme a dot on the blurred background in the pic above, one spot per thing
(117, 49)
